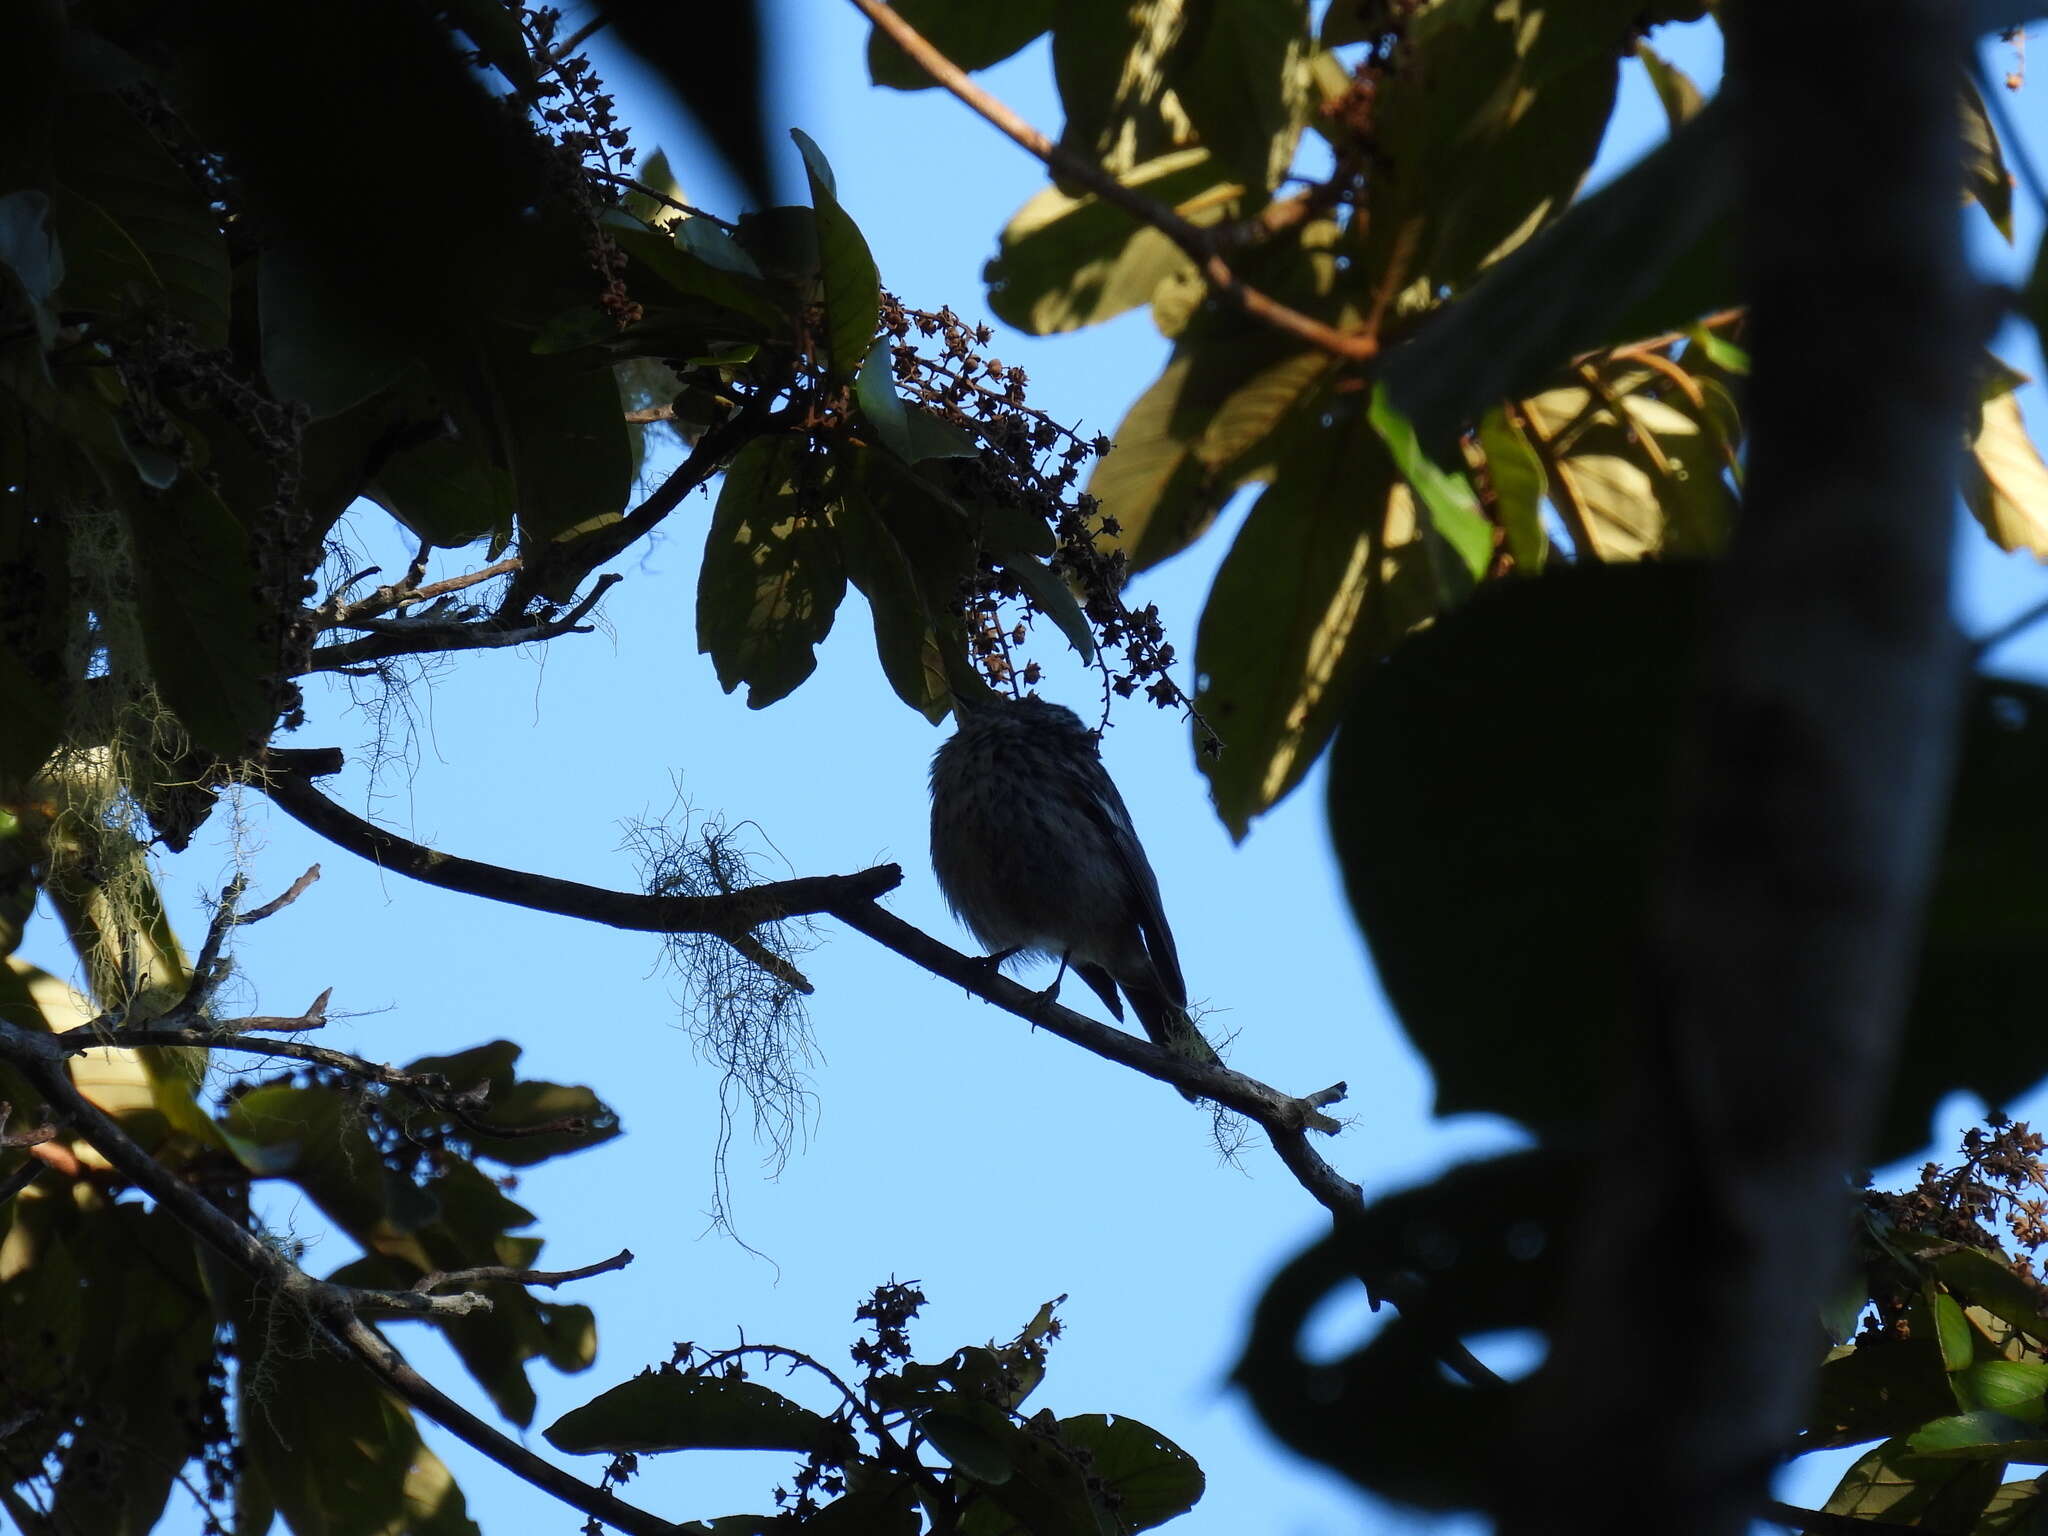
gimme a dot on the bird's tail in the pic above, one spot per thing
(1168, 1025)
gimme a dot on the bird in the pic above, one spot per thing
(1036, 854)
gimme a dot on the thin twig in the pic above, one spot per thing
(488, 1273)
(561, 565)
(40, 1059)
(398, 594)
(1200, 246)
(271, 908)
(1571, 507)
(21, 1178)
(1284, 1117)
(1985, 644)
(415, 637)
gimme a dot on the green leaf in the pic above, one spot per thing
(1067, 261)
(108, 157)
(977, 1438)
(1327, 574)
(1568, 687)
(1649, 252)
(1515, 472)
(1153, 1479)
(1445, 494)
(2016, 1509)
(1485, 132)
(1049, 590)
(565, 442)
(1985, 177)
(449, 490)
(1110, 65)
(773, 575)
(674, 1411)
(211, 642)
(971, 36)
(495, 31)
(132, 1377)
(1681, 99)
(1638, 464)
(1046, 1491)
(852, 287)
(2011, 1387)
(713, 246)
(694, 264)
(1565, 686)
(2005, 482)
(507, 1100)
(33, 707)
(1980, 1436)
(1987, 1280)
(336, 1455)
(1240, 74)
(934, 437)
(875, 388)
(1951, 1331)
(1199, 431)
(1895, 1486)
(905, 640)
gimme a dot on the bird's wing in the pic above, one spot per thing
(1105, 807)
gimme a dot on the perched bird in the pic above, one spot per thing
(1035, 853)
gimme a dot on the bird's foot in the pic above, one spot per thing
(988, 967)
(1051, 994)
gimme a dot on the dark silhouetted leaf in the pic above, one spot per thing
(852, 287)
(1649, 252)
(671, 1411)
(971, 36)
(204, 621)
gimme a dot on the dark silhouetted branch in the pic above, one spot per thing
(1782, 935)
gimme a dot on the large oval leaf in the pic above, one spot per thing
(674, 1411)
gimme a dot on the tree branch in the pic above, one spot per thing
(565, 564)
(725, 915)
(488, 1273)
(1198, 243)
(1777, 964)
(41, 1060)
(1284, 1118)
(428, 634)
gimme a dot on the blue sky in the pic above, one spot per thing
(947, 1143)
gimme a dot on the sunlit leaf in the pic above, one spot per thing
(1985, 177)
(1328, 573)
(2005, 482)
(852, 286)
(772, 577)
(1446, 495)
(1193, 437)
(1071, 260)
